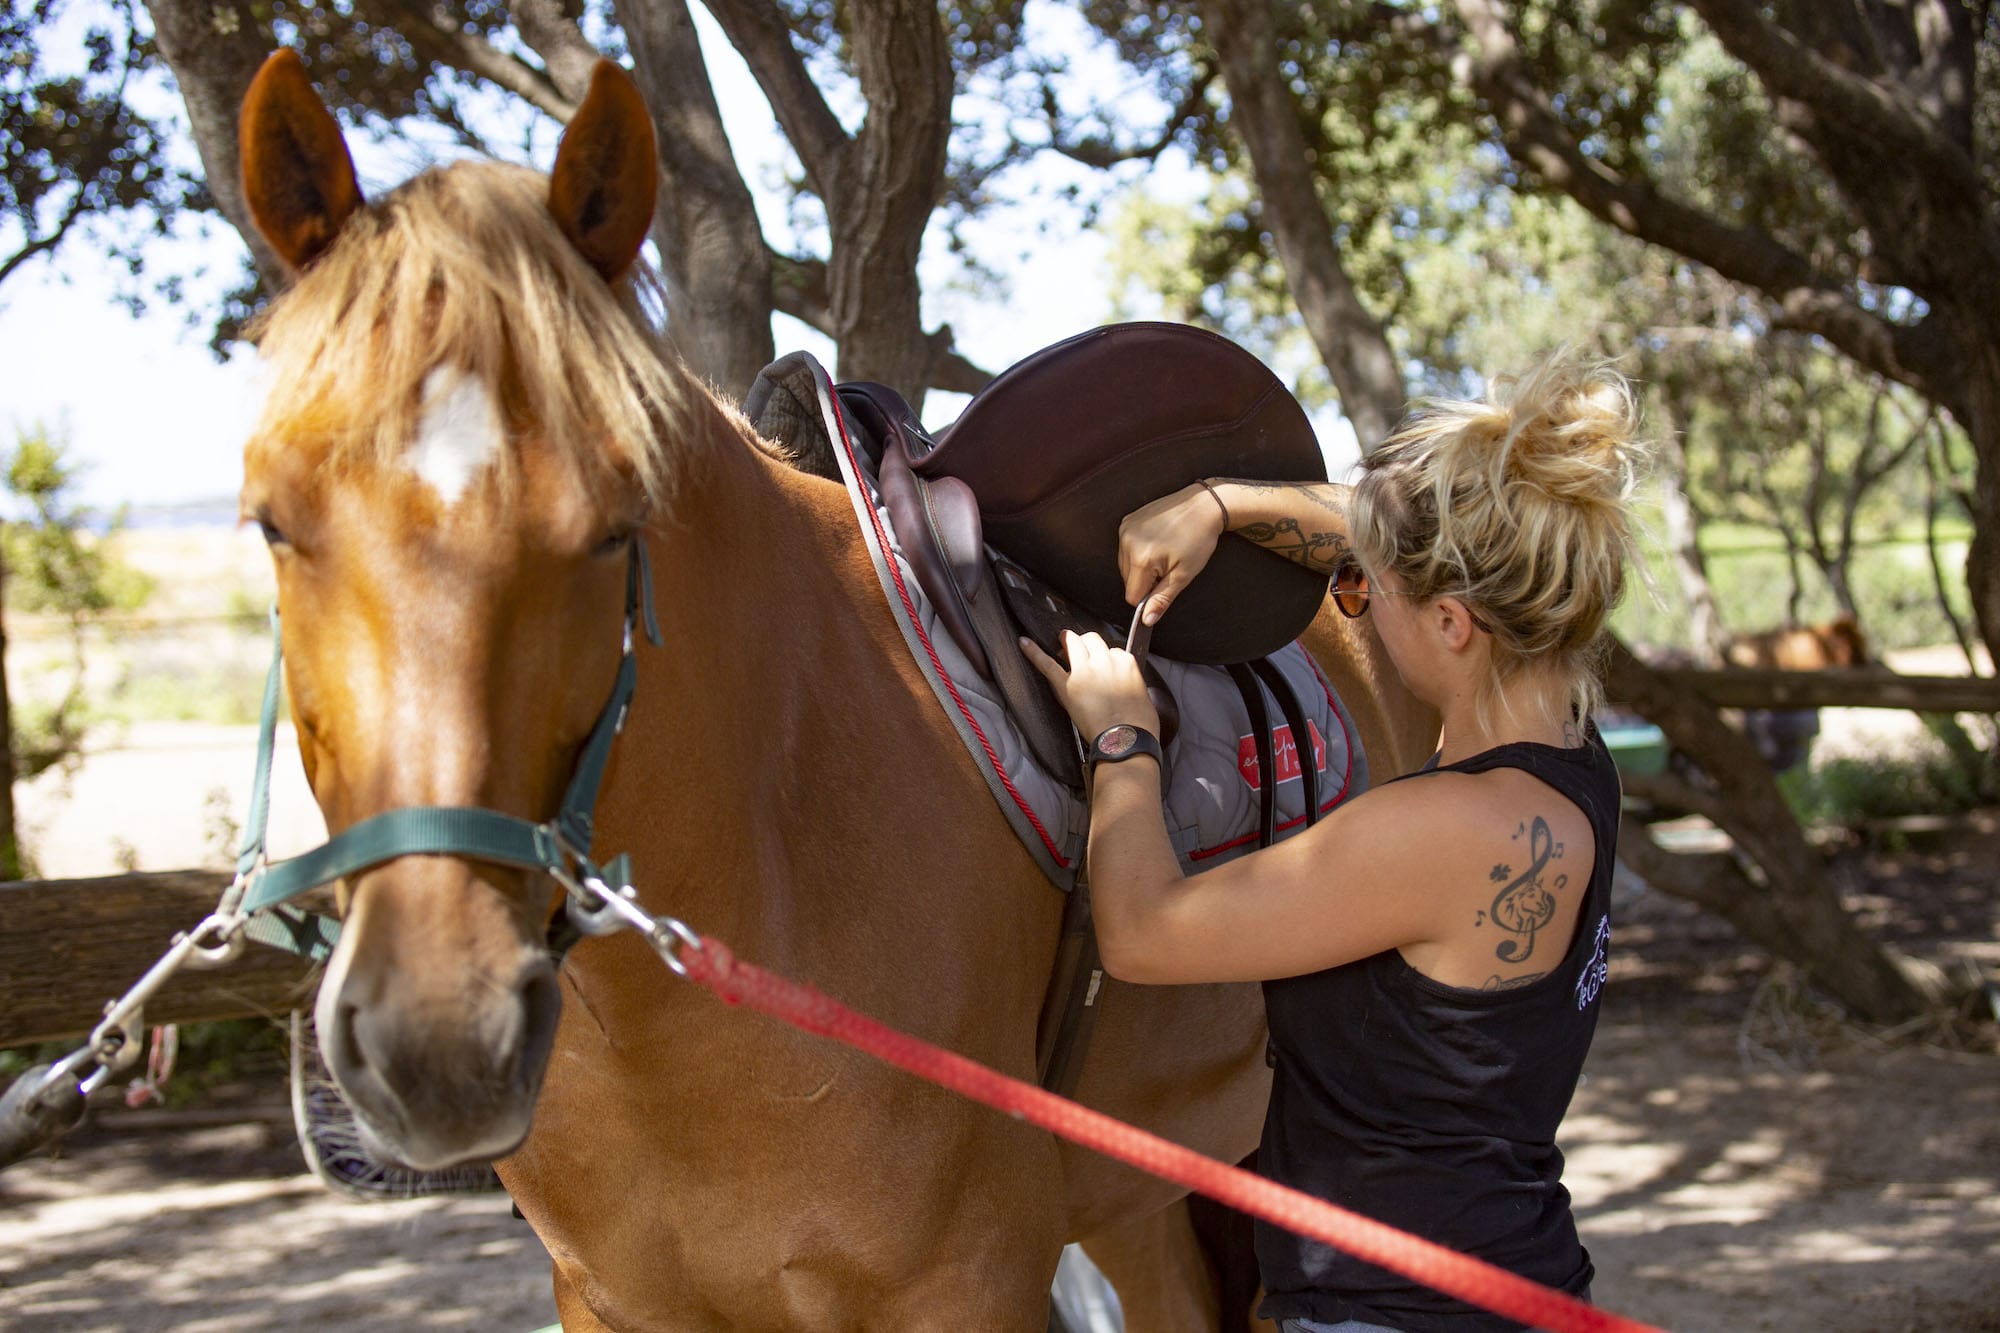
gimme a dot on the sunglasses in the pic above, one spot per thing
(1351, 593)
(1350, 589)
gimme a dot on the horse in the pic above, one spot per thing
(1784, 736)
(1830, 645)
(473, 423)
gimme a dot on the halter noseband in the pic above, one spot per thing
(561, 846)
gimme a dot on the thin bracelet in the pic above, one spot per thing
(1218, 501)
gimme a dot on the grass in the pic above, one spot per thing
(1752, 582)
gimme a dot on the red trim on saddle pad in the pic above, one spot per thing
(916, 623)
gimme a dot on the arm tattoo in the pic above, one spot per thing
(1526, 903)
(1318, 550)
(1322, 494)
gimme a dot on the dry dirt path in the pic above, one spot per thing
(1738, 1160)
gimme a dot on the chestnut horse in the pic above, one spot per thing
(471, 425)
(1829, 645)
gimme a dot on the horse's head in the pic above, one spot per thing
(455, 460)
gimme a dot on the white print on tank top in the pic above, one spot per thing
(1597, 968)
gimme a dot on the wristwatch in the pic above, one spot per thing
(1124, 741)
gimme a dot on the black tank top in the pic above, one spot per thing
(1434, 1108)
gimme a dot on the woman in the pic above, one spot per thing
(1432, 950)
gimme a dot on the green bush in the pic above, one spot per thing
(1849, 791)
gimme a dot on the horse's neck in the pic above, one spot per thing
(778, 705)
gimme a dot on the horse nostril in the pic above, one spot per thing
(343, 1044)
(541, 1006)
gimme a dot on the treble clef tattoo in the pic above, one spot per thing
(1527, 905)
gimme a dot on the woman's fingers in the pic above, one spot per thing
(1162, 547)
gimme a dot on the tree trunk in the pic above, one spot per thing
(712, 252)
(1795, 912)
(1351, 341)
(877, 220)
(214, 50)
(10, 845)
(1683, 531)
(1981, 420)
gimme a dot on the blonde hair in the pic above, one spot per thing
(465, 267)
(1518, 505)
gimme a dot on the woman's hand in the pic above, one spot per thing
(1102, 687)
(1163, 546)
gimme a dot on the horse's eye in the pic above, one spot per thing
(616, 542)
(273, 534)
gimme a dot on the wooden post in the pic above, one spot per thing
(68, 947)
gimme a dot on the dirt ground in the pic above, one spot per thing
(1740, 1160)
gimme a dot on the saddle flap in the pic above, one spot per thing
(1066, 443)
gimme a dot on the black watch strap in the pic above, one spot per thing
(1124, 741)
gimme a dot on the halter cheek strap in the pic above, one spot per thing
(560, 846)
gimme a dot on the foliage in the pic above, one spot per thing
(1751, 575)
(210, 1056)
(75, 156)
(1850, 791)
(55, 565)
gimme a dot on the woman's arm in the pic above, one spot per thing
(1355, 884)
(1303, 521)
(1164, 545)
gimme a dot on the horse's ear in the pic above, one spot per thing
(607, 173)
(297, 177)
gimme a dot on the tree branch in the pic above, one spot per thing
(1858, 105)
(437, 35)
(557, 39)
(1100, 153)
(1497, 72)
(758, 32)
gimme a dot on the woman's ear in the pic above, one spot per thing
(1455, 626)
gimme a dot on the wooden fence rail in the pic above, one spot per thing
(1852, 687)
(68, 946)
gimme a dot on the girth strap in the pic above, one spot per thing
(1302, 733)
(1260, 736)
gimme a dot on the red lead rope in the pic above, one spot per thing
(1471, 1280)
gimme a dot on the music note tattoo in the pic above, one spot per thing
(1526, 905)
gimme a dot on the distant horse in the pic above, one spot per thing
(1838, 642)
(470, 428)
(1784, 736)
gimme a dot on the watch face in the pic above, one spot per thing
(1117, 741)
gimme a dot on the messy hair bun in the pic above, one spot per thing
(1517, 505)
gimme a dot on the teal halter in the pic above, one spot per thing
(560, 846)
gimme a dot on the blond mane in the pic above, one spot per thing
(464, 267)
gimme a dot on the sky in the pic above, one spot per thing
(153, 419)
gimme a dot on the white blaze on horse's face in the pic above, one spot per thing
(460, 435)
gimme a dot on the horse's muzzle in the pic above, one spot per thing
(434, 1084)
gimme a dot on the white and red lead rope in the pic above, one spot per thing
(1471, 1280)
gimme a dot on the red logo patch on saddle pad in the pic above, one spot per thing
(1284, 756)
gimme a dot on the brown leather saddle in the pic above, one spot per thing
(1049, 457)
(1010, 517)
